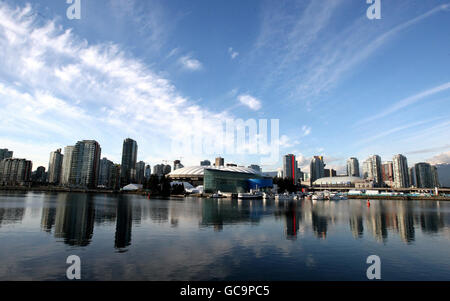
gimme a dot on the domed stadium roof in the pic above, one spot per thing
(200, 170)
(337, 180)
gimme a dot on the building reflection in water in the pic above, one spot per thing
(74, 220)
(292, 220)
(124, 223)
(73, 215)
(217, 213)
(12, 215)
(48, 216)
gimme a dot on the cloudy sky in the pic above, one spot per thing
(340, 84)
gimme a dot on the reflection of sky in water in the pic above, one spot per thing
(131, 238)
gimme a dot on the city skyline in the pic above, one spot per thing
(61, 79)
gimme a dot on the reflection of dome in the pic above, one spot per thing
(199, 170)
(337, 181)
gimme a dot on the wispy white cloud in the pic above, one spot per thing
(233, 54)
(190, 63)
(306, 130)
(407, 102)
(440, 158)
(250, 101)
(71, 90)
(310, 55)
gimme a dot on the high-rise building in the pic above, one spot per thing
(55, 167)
(424, 177)
(158, 169)
(400, 166)
(353, 167)
(434, 176)
(290, 168)
(387, 173)
(317, 168)
(85, 164)
(39, 176)
(220, 161)
(5, 154)
(329, 172)
(15, 172)
(66, 165)
(140, 172)
(115, 177)
(129, 158)
(104, 173)
(205, 163)
(148, 172)
(177, 165)
(167, 169)
(443, 171)
(412, 176)
(372, 170)
(255, 167)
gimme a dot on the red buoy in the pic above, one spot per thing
(368, 203)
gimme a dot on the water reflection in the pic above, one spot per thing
(123, 224)
(72, 217)
(74, 220)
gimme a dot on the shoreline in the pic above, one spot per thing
(148, 195)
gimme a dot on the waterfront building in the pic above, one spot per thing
(400, 166)
(148, 172)
(85, 164)
(177, 164)
(158, 169)
(424, 177)
(255, 167)
(129, 158)
(353, 167)
(412, 176)
(317, 168)
(329, 172)
(205, 163)
(105, 172)
(55, 167)
(167, 169)
(443, 171)
(5, 154)
(219, 161)
(434, 176)
(387, 173)
(39, 176)
(115, 177)
(290, 168)
(223, 178)
(372, 170)
(280, 173)
(346, 181)
(15, 172)
(66, 165)
(140, 172)
(306, 176)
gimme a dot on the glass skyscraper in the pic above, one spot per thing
(129, 158)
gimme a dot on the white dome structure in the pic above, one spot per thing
(200, 170)
(337, 181)
(195, 174)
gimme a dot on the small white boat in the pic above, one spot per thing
(250, 195)
(318, 196)
(284, 197)
(217, 195)
(268, 196)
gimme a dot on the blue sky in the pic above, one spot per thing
(340, 84)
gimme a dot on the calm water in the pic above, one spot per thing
(131, 238)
